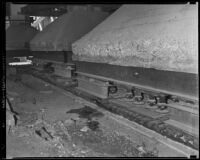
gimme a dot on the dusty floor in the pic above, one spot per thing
(50, 126)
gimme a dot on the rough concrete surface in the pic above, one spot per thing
(69, 27)
(46, 129)
(151, 36)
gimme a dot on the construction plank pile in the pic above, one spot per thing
(68, 28)
(162, 37)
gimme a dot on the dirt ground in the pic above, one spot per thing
(51, 124)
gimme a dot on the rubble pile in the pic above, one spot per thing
(74, 139)
(110, 144)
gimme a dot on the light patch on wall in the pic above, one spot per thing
(7, 22)
(41, 22)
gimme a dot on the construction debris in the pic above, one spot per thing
(43, 133)
(84, 129)
(68, 122)
(47, 92)
(86, 112)
(79, 135)
(11, 118)
(93, 125)
(11, 93)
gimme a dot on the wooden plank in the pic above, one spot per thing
(56, 62)
(184, 108)
(169, 81)
(93, 88)
(184, 117)
(183, 126)
(139, 109)
(139, 86)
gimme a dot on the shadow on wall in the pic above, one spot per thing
(60, 56)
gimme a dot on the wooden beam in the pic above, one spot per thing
(139, 86)
(45, 13)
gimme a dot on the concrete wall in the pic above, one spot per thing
(18, 36)
(15, 8)
(65, 30)
(151, 36)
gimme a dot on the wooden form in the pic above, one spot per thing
(60, 69)
(99, 89)
(185, 127)
(147, 88)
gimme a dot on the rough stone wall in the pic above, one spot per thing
(152, 36)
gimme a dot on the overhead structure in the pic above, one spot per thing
(43, 10)
(18, 36)
(163, 37)
(60, 34)
(60, 9)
